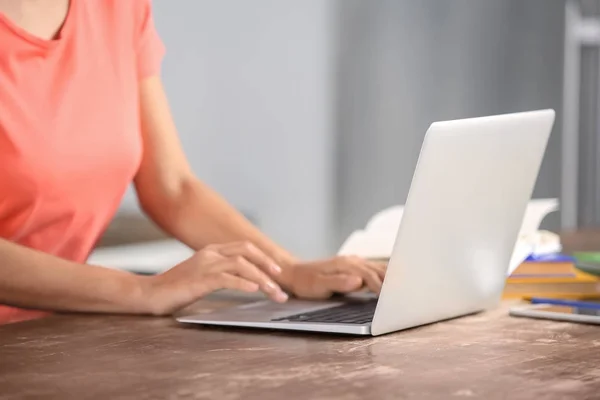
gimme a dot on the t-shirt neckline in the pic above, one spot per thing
(61, 36)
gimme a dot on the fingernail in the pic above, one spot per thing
(281, 296)
(276, 268)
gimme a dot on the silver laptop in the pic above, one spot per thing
(467, 199)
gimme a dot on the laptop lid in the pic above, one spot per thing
(466, 203)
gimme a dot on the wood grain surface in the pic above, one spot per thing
(488, 356)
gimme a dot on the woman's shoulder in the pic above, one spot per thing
(121, 17)
(133, 12)
(124, 7)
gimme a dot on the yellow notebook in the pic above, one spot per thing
(581, 285)
(552, 289)
(578, 276)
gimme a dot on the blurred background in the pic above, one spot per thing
(308, 115)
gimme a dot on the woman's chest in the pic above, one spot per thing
(69, 113)
(69, 128)
(74, 128)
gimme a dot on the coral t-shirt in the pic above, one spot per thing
(70, 141)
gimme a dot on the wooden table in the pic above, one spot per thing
(488, 356)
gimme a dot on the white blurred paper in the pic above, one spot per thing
(378, 237)
(376, 245)
(387, 220)
(520, 253)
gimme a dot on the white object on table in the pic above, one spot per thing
(147, 257)
(377, 239)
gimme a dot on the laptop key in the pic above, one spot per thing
(356, 313)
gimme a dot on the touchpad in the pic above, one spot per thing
(271, 310)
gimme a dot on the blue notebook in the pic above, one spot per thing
(555, 257)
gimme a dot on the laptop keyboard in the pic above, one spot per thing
(350, 313)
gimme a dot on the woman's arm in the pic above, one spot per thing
(36, 280)
(186, 208)
(33, 279)
(174, 198)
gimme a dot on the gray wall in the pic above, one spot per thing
(404, 64)
(309, 114)
(589, 129)
(250, 88)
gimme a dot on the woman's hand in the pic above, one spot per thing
(242, 266)
(239, 266)
(344, 274)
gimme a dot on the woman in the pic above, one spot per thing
(82, 115)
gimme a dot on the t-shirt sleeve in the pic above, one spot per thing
(150, 49)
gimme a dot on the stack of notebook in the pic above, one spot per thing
(551, 276)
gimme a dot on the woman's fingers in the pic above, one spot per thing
(341, 283)
(320, 279)
(358, 267)
(229, 281)
(370, 277)
(241, 267)
(379, 267)
(251, 253)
